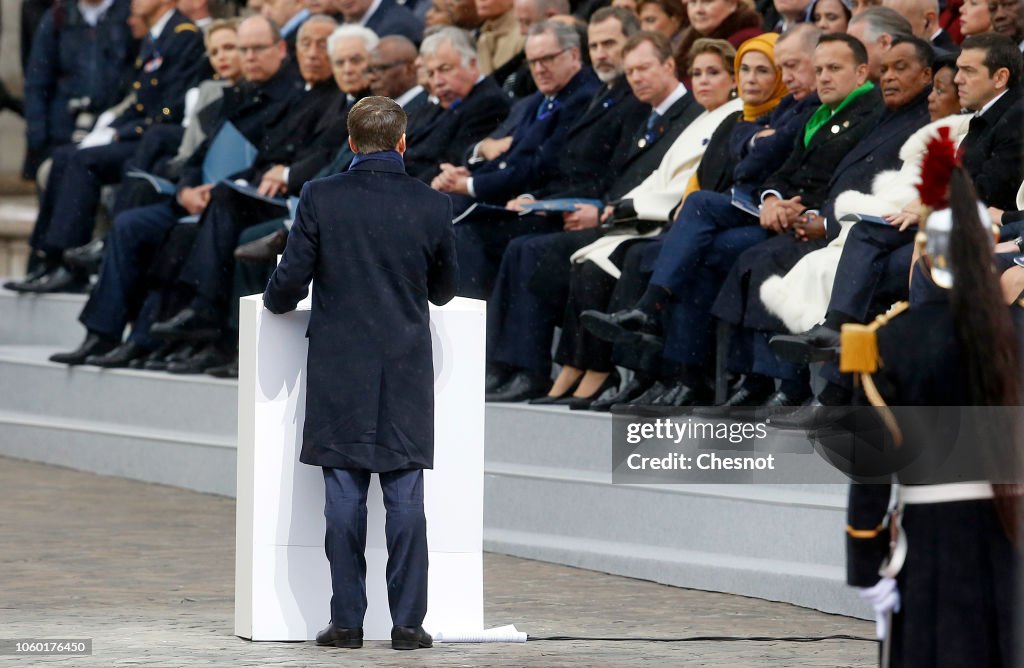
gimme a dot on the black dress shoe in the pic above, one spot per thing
(633, 389)
(340, 637)
(495, 378)
(647, 397)
(87, 257)
(811, 416)
(668, 401)
(119, 357)
(559, 400)
(187, 325)
(229, 370)
(94, 344)
(409, 637)
(522, 386)
(55, 280)
(207, 358)
(741, 398)
(779, 403)
(263, 250)
(583, 403)
(160, 353)
(818, 344)
(32, 275)
(618, 327)
(179, 351)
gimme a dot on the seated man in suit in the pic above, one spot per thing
(470, 106)
(988, 79)
(384, 17)
(501, 169)
(137, 234)
(610, 151)
(710, 232)
(170, 62)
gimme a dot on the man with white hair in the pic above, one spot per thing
(471, 105)
(875, 27)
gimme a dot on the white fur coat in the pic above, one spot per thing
(800, 298)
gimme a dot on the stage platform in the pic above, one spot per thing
(548, 490)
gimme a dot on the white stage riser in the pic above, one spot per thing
(547, 491)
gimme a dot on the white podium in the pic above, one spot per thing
(282, 579)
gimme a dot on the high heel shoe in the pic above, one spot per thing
(561, 399)
(583, 403)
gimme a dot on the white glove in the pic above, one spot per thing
(884, 597)
(98, 137)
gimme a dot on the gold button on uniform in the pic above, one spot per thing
(140, 107)
(153, 82)
(167, 112)
(137, 85)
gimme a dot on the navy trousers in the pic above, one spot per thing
(209, 269)
(869, 258)
(67, 209)
(120, 294)
(405, 531)
(480, 244)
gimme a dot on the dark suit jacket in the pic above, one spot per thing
(254, 109)
(329, 136)
(808, 169)
(943, 43)
(638, 160)
(377, 244)
(589, 162)
(392, 18)
(293, 137)
(993, 151)
(877, 151)
(163, 74)
(769, 153)
(532, 160)
(450, 133)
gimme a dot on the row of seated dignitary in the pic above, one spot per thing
(724, 137)
(655, 155)
(906, 70)
(690, 264)
(875, 260)
(199, 275)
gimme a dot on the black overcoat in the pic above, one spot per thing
(378, 244)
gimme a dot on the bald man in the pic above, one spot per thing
(923, 16)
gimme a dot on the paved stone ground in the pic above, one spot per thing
(147, 571)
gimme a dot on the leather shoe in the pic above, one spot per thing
(560, 400)
(668, 401)
(87, 257)
(187, 325)
(179, 352)
(521, 386)
(409, 637)
(611, 383)
(55, 280)
(741, 398)
(263, 250)
(778, 403)
(495, 378)
(618, 327)
(207, 358)
(818, 344)
(633, 389)
(812, 416)
(340, 637)
(94, 344)
(160, 353)
(119, 357)
(229, 370)
(32, 275)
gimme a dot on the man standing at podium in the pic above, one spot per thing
(377, 244)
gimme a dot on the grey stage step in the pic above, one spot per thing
(548, 491)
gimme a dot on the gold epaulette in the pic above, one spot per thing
(858, 353)
(185, 27)
(864, 533)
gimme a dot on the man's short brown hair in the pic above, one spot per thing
(376, 124)
(661, 45)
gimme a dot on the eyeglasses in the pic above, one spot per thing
(227, 48)
(384, 67)
(255, 48)
(545, 61)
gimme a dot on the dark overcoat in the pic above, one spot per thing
(378, 244)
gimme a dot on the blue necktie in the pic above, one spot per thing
(546, 108)
(650, 135)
